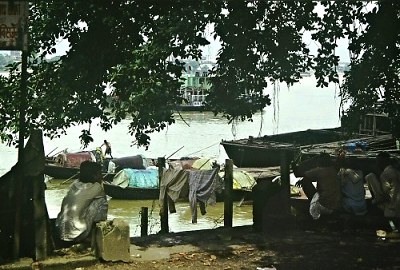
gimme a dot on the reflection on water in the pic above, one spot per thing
(179, 221)
(130, 210)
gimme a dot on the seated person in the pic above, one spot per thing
(83, 206)
(385, 187)
(352, 187)
(326, 197)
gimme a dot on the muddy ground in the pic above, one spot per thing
(325, 244)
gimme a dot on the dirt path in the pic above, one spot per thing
(318, 247)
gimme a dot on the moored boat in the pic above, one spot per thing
(66, 165)
(362, 151)
(131, 193)
(59, 172)
(136, 184)
(362, 146)
(265, 151)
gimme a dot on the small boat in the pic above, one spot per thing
(134, 184)
(373, 136)
(132, 193)
(66, 165)
(142, 184)
(362, 151)
(265, 151)
(58, 172)
(365, 145)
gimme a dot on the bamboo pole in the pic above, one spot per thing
(175, 152)
(51, 152)
(72, 177)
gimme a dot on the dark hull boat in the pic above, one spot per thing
(131, 193)
(66, 165)
(363, 146)
(266, 151)
(65, 170)
(362, 152)
(237, 195)
(59, 172)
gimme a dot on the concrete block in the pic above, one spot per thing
(112, 240)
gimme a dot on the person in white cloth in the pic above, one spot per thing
(385, 188)
(84, 205)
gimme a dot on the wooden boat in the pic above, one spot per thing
(59, 172)
(66, 165)
(363, 158)
(265, 151)
(237, 195)
(131, 193)
(134, 184)
(59, 169)
(365, 145)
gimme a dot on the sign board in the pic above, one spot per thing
(14, 25)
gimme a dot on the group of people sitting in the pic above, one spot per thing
(340, 186)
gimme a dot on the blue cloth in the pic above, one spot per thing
(142, 178)
(353, 191)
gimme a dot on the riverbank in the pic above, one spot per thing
(337, 242)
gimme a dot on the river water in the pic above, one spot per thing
(299, 107)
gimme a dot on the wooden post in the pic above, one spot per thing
(144, 221)
(164, 213)
(228, 202)
(285, 178)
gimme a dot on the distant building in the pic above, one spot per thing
(195, 83)
(9, 57)
(342, 67)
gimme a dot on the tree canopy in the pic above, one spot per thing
(138, 47)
